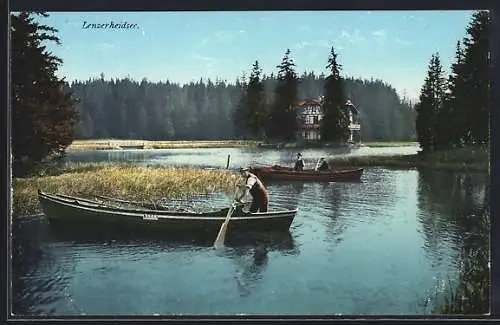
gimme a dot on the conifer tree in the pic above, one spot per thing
(283, 122)
(256, 103)
(43, 107)
(240, 113)
(431, 99)
(476, 70)
(334, 126)
(451, 124)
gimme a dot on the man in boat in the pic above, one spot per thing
(323, 165)
(254, 186)
(299, 164)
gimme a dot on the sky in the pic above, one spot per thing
(394, 46)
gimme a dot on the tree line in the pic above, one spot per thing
(207, 110)
(49, 113)
(454, 111)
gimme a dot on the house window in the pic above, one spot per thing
(316, 119)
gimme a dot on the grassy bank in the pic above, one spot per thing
(462, 159)
(88, 145)
(128, 182)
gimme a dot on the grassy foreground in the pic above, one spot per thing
(88, 145)
(128, 182)
(460, 159)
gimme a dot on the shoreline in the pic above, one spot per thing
(116, 144)
(468, 159)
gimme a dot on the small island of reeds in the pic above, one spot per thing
(129, 182)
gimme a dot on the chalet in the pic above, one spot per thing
(310, 114)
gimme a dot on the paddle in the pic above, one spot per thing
(221, 236)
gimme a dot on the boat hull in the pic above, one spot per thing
(280, 173)
(62, 209)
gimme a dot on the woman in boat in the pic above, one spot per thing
(254, 186)
(323, 165)
(299, 164)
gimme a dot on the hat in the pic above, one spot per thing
(299, 154)
(244, 169)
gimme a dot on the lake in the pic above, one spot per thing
(387, 245)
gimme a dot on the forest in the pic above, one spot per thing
(205, 110)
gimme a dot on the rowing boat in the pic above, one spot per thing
(64, 208)
(281, 173)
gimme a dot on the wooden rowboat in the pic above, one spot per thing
(281, 173)
(63, 208)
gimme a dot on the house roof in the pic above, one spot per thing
(308, 102)
(318, 102)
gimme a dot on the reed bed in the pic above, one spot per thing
(462, 159)
(139, 183)
(88, 145)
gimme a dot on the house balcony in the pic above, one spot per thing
(309, 126)
(354, 127)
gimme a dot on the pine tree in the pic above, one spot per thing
(334, 126)
(452, 125)
(283, 122)
(476, 69)
(431, 99)
(440, 125)
(256, 103)
(43, 108)
(240, 113)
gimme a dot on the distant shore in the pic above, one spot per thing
(468, 159)
(115, 144)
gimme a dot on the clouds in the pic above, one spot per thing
(403, 42)
(103, 48)
(222, 36)
(379, 35)
(351, 38)
(315, 43)
(208, 62)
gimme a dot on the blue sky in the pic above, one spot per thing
(394, 46)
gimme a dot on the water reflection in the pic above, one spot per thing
(453, 214)
(251, 264)
(39, 282)
(450, 203)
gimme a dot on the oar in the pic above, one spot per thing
(221, 236)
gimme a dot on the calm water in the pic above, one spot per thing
(217, 158)
(385, 245)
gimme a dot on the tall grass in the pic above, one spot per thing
(124, 181)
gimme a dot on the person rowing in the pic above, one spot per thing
(322, 165)
(254, 186)
(299, 163)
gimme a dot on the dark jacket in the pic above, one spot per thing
(299, 164)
